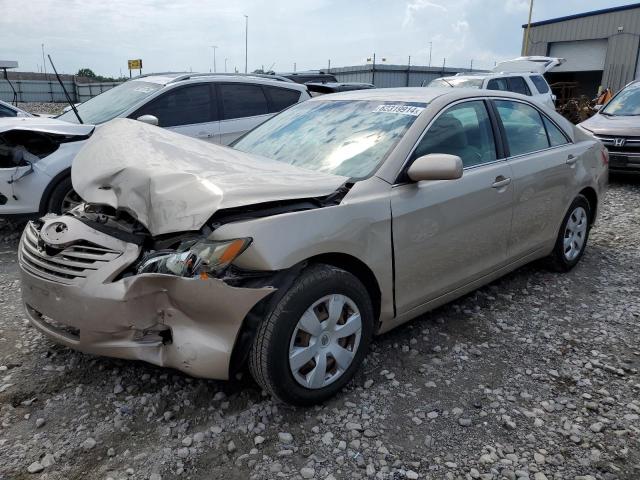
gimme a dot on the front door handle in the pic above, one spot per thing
(571, 159)
(501, 182)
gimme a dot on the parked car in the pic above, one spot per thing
(314, 76)
(335, 87)
(8, 110)
(340, 218)
(522, 75)
(617, 126)
(217, 108)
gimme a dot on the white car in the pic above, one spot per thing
(36, 153)
(522, 75)
(8, 110)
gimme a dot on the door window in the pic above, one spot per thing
(518, 85)
(556, 137)
(242, 100)
(540, 83)
(281, 98)
(498, 84)
(523, 127)
(463, 130)
(182, 106)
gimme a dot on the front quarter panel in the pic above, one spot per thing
(359, 227)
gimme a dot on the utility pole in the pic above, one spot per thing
(373, 70)
(246, 41)
(44, 62)
(430, 52)
(526, 36)
(225, 65)
(444, 64)
(471, 69)
(294, 67)
(408, 69)
(214, 57)
(329, 65)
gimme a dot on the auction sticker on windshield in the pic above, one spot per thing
(403, 109)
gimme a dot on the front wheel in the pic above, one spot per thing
(314, 339)
(572, 238)
(63, 197)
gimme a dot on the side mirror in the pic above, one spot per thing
(435, 166)
(150, 119)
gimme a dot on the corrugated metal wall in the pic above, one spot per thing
(51, 91)
(622, 51)
(388, 76)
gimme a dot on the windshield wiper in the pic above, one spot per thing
(447, 82)
(65, 90)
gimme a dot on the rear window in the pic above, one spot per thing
(540, 83)
(281, 98)
(518, 85)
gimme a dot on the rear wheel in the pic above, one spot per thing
(572, 238)
(314, 339)
(63, 197)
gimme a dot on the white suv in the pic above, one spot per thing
(36, 153)
(522, 75)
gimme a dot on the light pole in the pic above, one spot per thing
(214, 57)
(225, 65)
(430, 52)
(246, 41)
(44, 62)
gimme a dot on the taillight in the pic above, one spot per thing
(605, 156)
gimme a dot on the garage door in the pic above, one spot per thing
(582, 56)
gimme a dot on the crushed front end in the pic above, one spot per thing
(99, 283)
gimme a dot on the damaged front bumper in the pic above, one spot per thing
(72, 295)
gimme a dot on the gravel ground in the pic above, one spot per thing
(40, 108)
(534, 376)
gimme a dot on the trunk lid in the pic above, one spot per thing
(534, 64)
(173, 183)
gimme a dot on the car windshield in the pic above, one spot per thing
(111, 103)
(627, 102)
(457, 82)
(342, 137)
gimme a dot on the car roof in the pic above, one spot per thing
(170, 78)
(483, 75)
(417, 94)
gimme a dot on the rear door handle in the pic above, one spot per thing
(571, 159)
(501, 182)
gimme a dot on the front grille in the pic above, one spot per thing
(67, 266)
(630, 146)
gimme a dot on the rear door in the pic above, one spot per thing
(542, 161)
(449, 233)
(243, 107)
(189, 109)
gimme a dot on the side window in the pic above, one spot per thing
(242, 100)
(281, 98)
(556, 137)
(498, 84)
(463, 130)
(540, 83)
(523, 127)
(181, 106)
(518, 85)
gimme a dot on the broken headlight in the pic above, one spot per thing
(194, 258)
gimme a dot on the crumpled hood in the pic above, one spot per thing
(620, 125)
(45, 125)
(173, 183)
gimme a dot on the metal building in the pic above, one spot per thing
(601, 47)
(386, 76)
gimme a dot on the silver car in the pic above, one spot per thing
(338, 219)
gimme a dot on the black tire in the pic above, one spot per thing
(558, 260)
(269, 355)
(58, 195)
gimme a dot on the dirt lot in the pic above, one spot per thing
(532, 377)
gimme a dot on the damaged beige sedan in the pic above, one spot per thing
(338, 219)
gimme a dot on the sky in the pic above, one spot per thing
(178, 35)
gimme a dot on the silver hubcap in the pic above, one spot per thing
(325, 341)
(71, 200)
(575, 233)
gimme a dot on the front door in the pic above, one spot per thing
(448, 233)
(244, 107)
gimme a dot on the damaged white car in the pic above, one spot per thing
(36, 154)
(340, 218)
